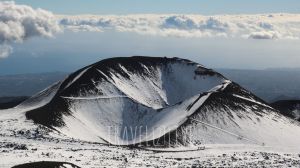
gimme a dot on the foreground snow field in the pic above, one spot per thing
(89, 155)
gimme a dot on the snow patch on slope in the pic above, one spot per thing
(217, 122)
(103, 118)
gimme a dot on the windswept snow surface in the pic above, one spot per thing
(90, 155)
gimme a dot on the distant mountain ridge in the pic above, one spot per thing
(27, 84)
(10, 102)
(270, 84)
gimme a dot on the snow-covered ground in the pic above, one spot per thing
(18, 150)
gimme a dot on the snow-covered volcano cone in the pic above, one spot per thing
(135, 100)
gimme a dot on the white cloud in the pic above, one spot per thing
(264, 35)
(5, 50)
(20, 22)
(260, 26)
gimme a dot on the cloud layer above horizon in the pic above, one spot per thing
(21, 22)
(259, 26)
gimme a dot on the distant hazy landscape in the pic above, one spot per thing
(27, 84)
(271, 84)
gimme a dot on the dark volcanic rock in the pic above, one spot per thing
(47, 164)
(290, 108)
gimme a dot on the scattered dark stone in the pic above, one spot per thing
(233, 159)
(46, 164)
(266, 157)
(21, 132)
(15, 146)
(179, 159)
(21, 147)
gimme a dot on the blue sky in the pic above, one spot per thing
(206, 7)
